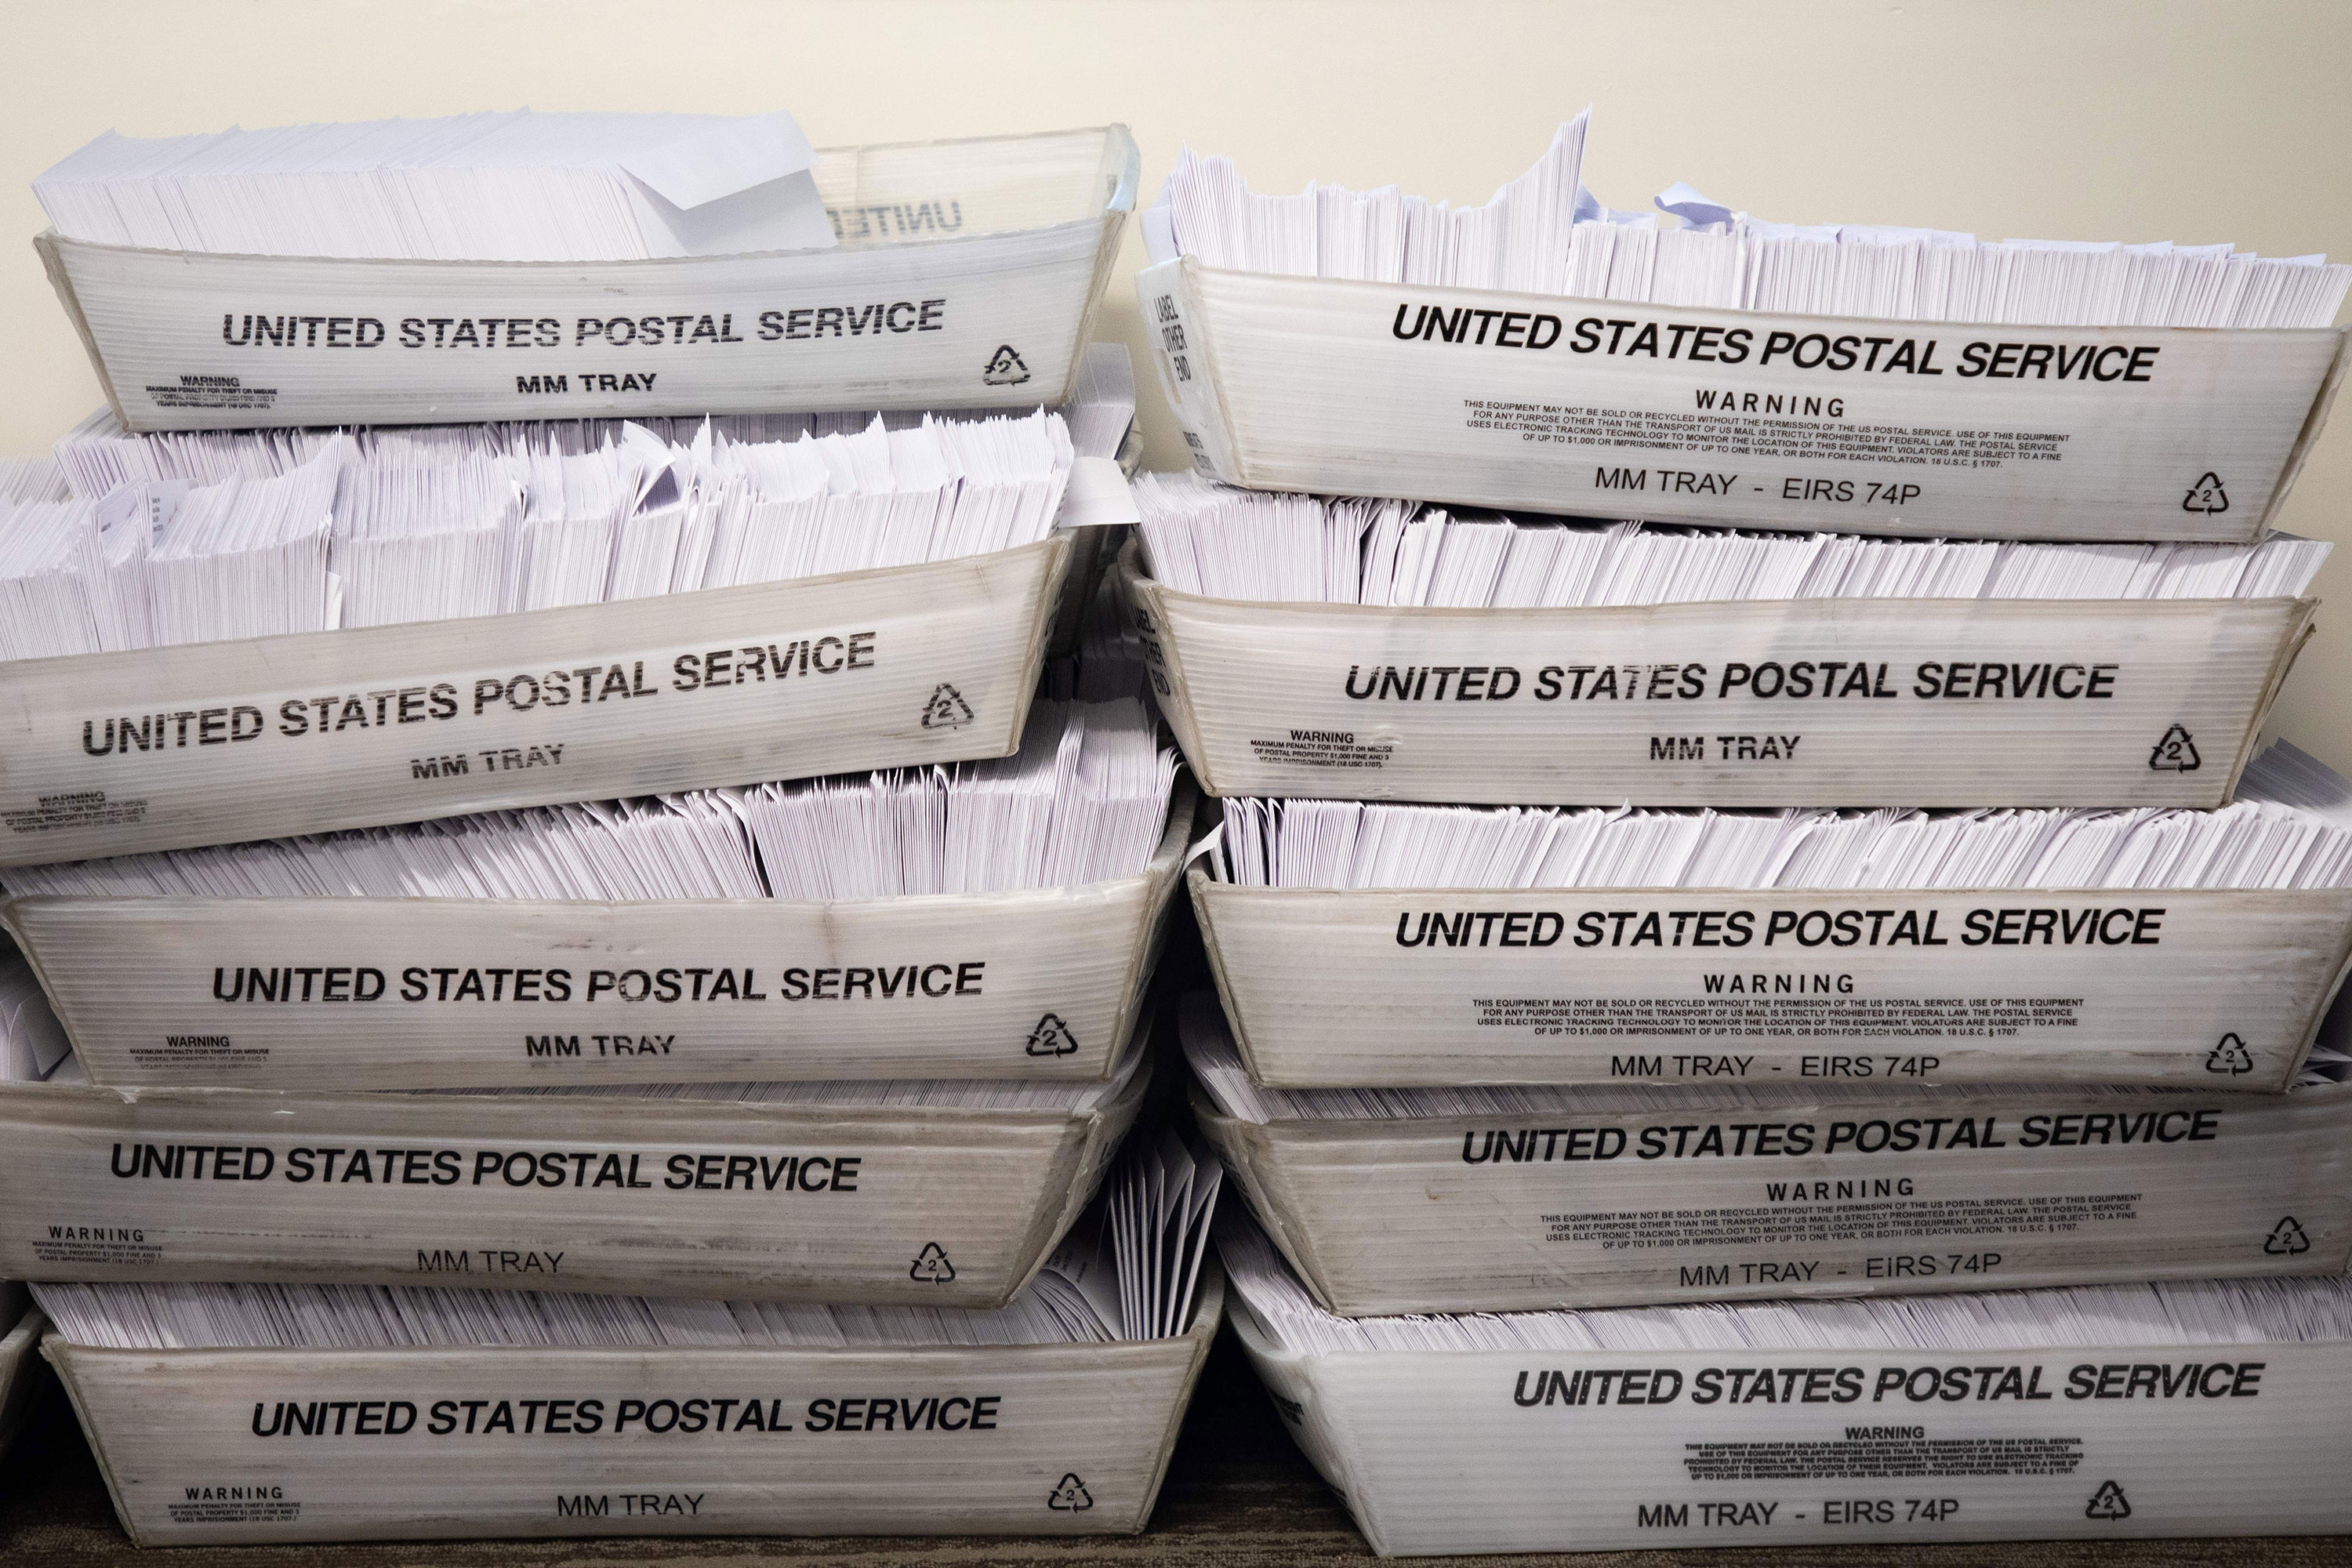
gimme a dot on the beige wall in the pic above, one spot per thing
(2131, 120)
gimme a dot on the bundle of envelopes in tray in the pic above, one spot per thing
(1695, 364)
(589, 903)
(384, 630)
(522, 266)
(1656, 961)
(590, 1415)
(866, 1039)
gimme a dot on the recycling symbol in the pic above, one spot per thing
(1006, 369)
(2206, 495)
(2108, 1503)
(2175, 754)
(1051, 1038)
(2229, 1057)
(1069, 1494)
(947, 710)
(931, 1265)
(2286, 1239)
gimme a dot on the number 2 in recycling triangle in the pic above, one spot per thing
(2286, 1239)
(1051, 1038)
(931, 1265)
(2229, 1057)
(2206, 495)
(1005, 368)
(1070, 1494)
(2108, 1503)
(2175, 754)
(947, 710)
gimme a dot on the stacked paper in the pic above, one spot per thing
(523, 267)
(1362, 944)
(999, 919)
(1493, 1199)
(100, 454)
(1218, 543)
(1855, 891)
(32, 480)
(657, 971)
(1526, 1009)
(631, 977)
(1543, 350)
(908, 1192)
(473, 187)
(348, 540)
(2123, 1411)
(1337, 648)
(640, 617)
(543, 1416)
(1545, 234)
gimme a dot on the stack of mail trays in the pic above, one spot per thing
(1655, 961)
(479, 1014)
